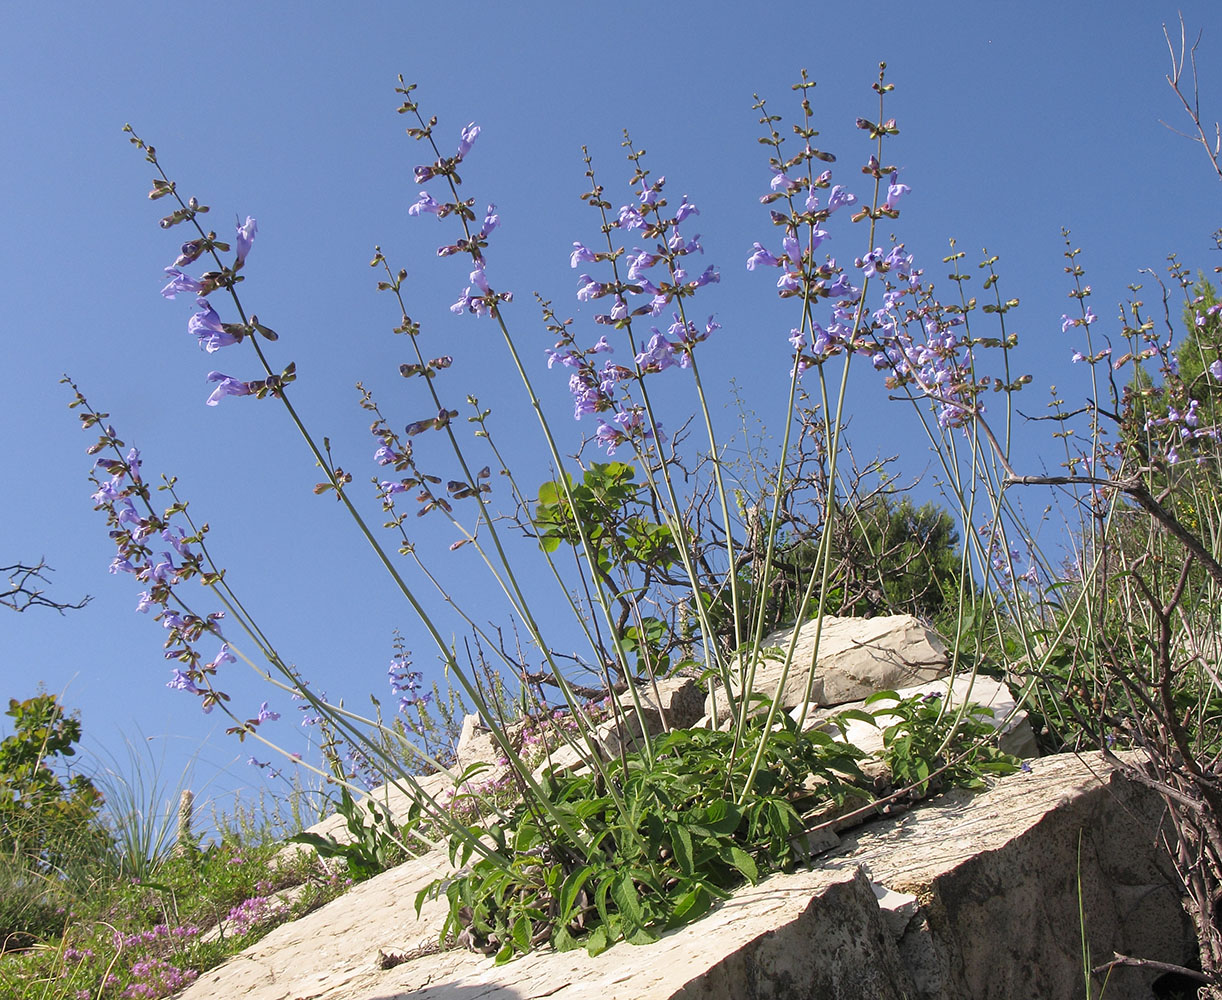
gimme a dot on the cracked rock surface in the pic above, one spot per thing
(968, 896)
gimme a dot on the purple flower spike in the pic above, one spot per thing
(180, 282)
(226, 386)
(245, 238)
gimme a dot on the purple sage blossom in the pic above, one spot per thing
(180, 282)
(685, 210)
(895, 191)
(207, 327)
(227, 385)
(580, 253)
(245, 238)
(426, 204)
(467, 139)
(761, 258)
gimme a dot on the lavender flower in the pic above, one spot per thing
(581, 253)
(226, 386)
(467, 139)
(245, 239)
(206, 325)
(180, 282)
(426, 204)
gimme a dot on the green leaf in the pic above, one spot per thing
(521, 934)
(692, 904)
(567, 898)
(681, 841)
(743, 861)
(623, 891)
(598, 941)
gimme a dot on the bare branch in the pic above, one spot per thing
(23, 590)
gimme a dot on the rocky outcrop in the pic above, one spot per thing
(855, 657)
(967, 897)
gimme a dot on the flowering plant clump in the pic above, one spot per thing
(665, 570)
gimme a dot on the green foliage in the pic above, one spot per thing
(44, 819)
(666, 839)
(375, 842)
(933, 746)
(608, 505)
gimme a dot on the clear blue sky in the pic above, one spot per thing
(1016, 120)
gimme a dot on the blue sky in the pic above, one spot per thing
(1015, 120)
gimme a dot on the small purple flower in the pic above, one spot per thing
(385, 456)
(761, 258)
(245, 238)
(160, 572)
(630, 218)
(223, 656)
(226, 386)
(685, 209)
(189, 253)
(601, 347)
(1215, 369)
(838, 197)
(425, 204)
(467, 139)
(781, 181)
(608, 437)
(580, 253)
(266, 714)
(589, 289)
(180, 282)
(895, 191)
(206, 325)
(176, 537)
(144, 603)
(1077, 356)
(491, 221)
(181, 682)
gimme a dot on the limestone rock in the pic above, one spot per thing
(670, 703)
(856, 657)
(967, 897)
